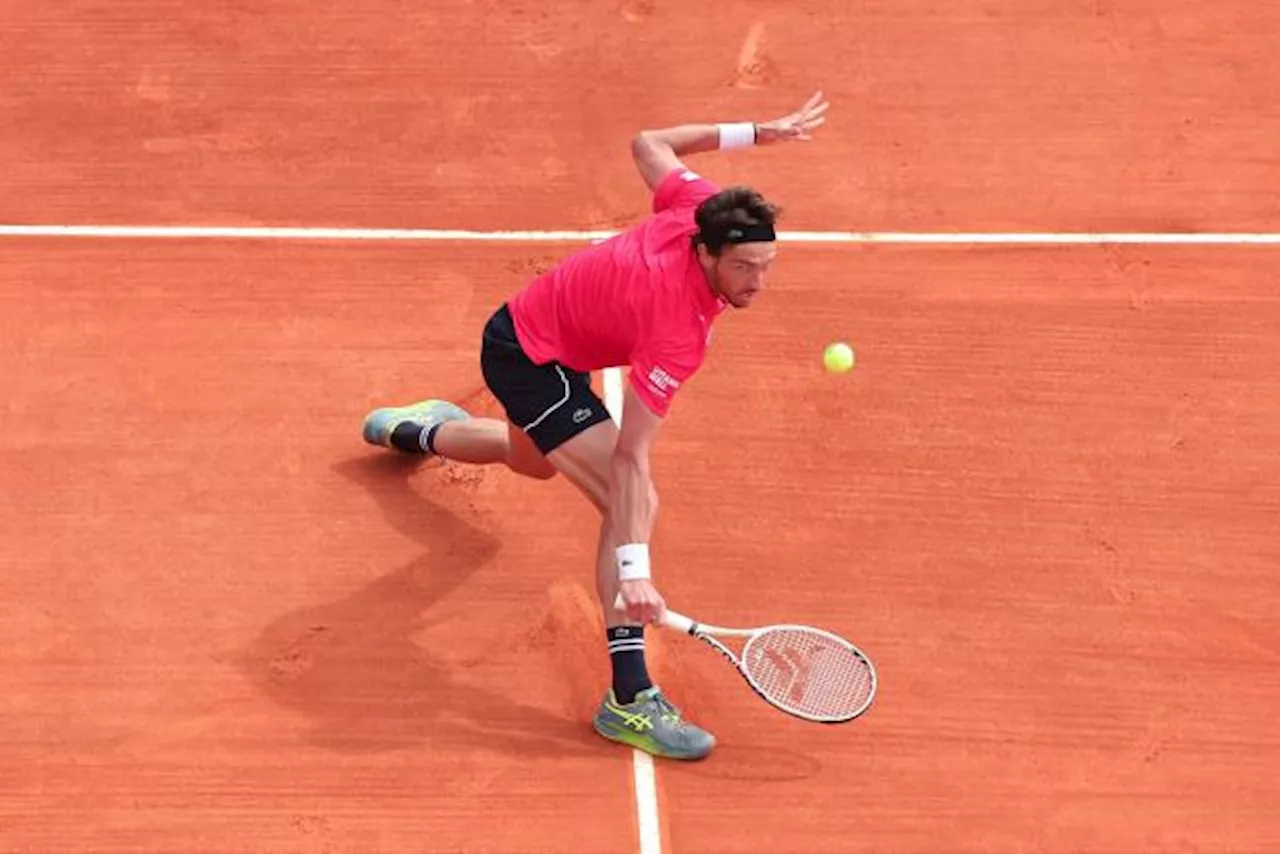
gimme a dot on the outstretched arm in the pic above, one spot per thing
(633, 504)
(657, 152)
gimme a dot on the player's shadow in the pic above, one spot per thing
(352, 666)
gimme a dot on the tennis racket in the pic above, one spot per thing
(804, 671)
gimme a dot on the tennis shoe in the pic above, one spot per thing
(652, 724)
(381, 423)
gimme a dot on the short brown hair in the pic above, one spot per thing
(734, 207)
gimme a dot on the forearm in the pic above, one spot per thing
(695, 138)
(684, 139)
(623, 577)
(632, 501)
(657, 152)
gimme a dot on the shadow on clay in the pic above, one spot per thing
(353, 669)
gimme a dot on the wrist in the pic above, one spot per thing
(737, 135)
(633, 561)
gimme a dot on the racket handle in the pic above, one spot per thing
(674, 620)
(670, 619)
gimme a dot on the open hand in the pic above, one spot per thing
(796, 126)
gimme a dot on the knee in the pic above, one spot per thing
(538, 469)
(530, 465)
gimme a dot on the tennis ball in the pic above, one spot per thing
(838, 357)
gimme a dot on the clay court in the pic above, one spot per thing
(1044, 502)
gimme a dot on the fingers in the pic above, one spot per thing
(639, 613)
(801, 133)
(648, 609)
(645, 612)
(640, 602)
(814, 107)
(799, 124)
(812, 102)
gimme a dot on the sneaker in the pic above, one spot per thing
(381, 423)
(652, 724)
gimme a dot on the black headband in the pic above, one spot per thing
(750, 233)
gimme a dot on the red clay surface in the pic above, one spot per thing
(1041, 502)
(1044, 502)
(1148, 115)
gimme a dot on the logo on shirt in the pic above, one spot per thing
(662, 381)
(689, 177)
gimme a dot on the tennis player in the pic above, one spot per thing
(646, 299)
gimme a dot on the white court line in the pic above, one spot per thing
(455, 235)
(645, 776)
(646, 786)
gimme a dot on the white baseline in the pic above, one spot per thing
(446, 235)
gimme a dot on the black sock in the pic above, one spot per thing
(626, 651)
(409, 437)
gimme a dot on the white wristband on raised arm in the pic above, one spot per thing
(633, 562)
(737, 135)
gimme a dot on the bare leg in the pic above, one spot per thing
(607, 577)
(587, 460)
(481, 441)
(485, 441)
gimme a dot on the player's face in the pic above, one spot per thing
(740, 270)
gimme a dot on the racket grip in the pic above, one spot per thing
(673, 620)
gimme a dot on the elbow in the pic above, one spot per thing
(641, 144)
(648, 144)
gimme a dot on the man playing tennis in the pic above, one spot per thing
(645, 299)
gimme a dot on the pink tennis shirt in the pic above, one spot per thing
(640, 299)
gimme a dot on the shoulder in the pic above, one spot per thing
(682, 188)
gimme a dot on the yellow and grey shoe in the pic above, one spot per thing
(652, 724)
(381, 423)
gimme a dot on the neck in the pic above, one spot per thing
(709, 275)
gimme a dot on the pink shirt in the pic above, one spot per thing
(639, 299)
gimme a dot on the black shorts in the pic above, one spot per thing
(550, 402)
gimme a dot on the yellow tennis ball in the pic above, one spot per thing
(838, 357)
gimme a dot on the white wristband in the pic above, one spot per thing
(738, 135)
(633, 562)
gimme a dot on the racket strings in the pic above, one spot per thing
(809, 672)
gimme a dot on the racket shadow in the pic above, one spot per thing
(353, 668)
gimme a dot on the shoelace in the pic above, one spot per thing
(670, 713)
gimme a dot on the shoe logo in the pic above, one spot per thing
(581, 415)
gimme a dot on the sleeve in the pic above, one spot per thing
(682, 188)
(658, 372)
